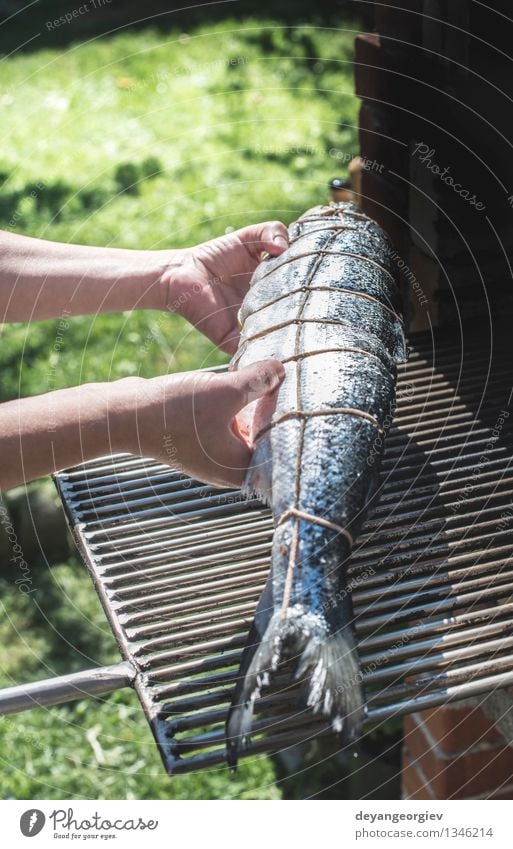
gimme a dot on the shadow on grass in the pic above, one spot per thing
(61, 620)
(57, 23)
(59, 198)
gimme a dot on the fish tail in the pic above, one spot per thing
(334, 682)
(327, 662)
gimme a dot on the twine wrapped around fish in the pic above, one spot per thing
(329, 309)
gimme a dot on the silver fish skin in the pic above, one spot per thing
(329, 309)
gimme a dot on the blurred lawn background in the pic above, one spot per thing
(144, 137)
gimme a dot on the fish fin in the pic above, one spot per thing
(240, 714)
(238, 717)
(329, 662)
(260, 658)
(334, 682)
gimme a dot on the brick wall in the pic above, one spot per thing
(435, 78)
(454, 752)
(436, 86)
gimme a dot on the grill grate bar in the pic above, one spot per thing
(246, 546)
(241, 568)
(412, 455)
(204, 495)
(256, 577)
(180, 566)
(193, 526)
(114, 525)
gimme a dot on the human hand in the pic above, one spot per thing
(186, 420)
(209, 282)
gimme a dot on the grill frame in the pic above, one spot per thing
(456, 650)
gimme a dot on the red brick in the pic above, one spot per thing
(368, 73)
(385, 200)
(404, 24)
(456, 728)
(414, 784)
(380, 138)
(468, 776)
(455, 752)
(384, 73)
(421, 746)
(470, 772)
(505, 792)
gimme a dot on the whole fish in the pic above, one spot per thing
(329, 309)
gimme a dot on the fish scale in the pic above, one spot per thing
(329, 309)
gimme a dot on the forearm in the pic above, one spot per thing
(43, 434)
(184, 419)
(40, 279)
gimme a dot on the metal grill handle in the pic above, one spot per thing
(67, 688)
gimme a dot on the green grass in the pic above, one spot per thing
(240, 118)
(142, 140)
(101, 747)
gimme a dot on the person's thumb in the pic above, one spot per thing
(275, 238)
(270, 236)
(254, 381)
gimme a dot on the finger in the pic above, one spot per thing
(271, 236)
(236, 455)
(231, 471)
(254, 381)
(230, 342)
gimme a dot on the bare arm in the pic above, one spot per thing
(205, 284)
(40, 279)
(184, 420)
(48, 432)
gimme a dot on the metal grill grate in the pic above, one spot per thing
(179, 566)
